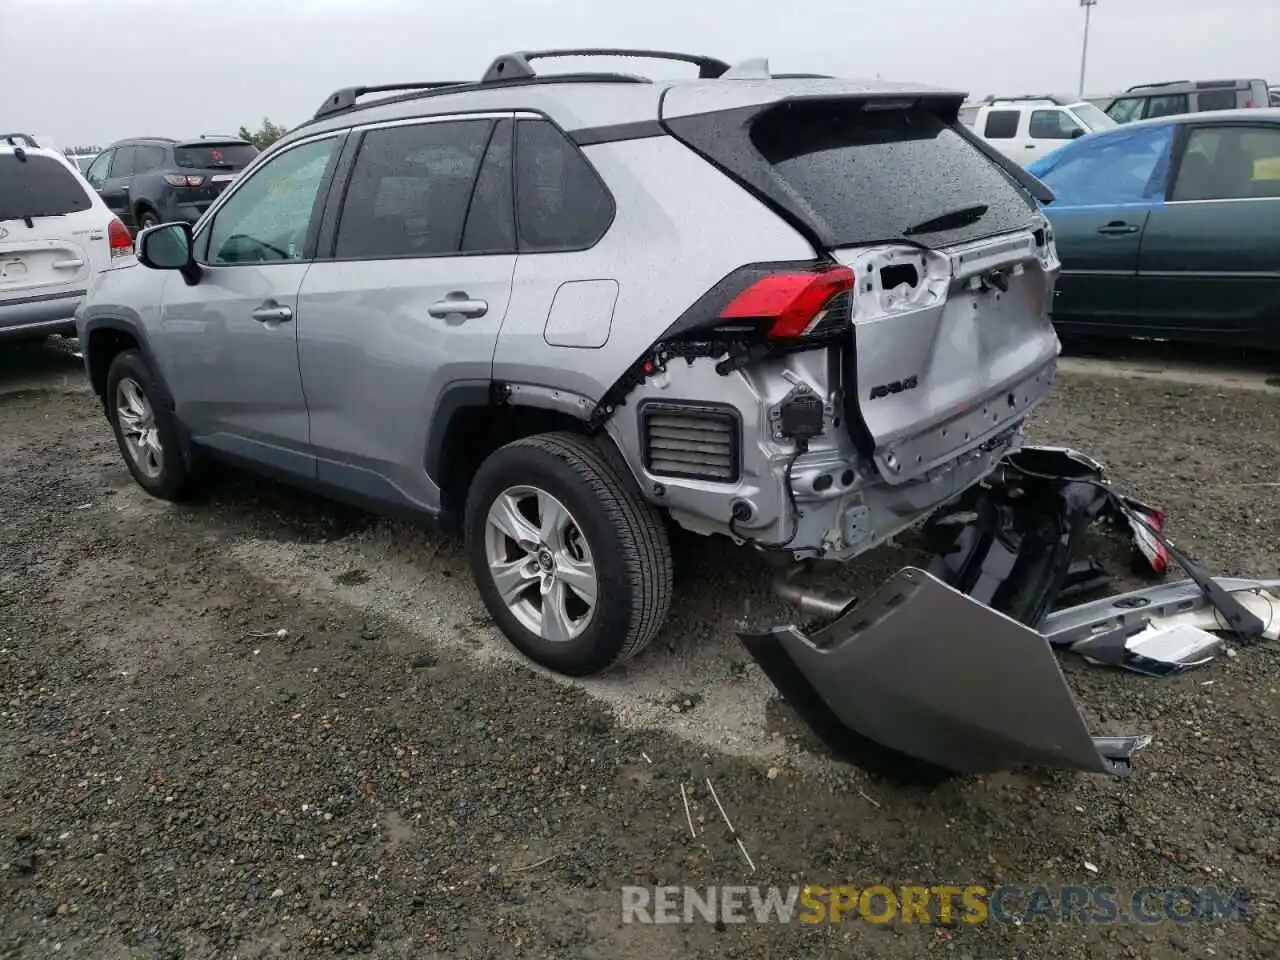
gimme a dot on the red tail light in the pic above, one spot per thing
(119, 240)
(794, 302)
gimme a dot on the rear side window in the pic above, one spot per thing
(1169, 105)
(147, 158)
(491, 221)
(1216, 100)
(38, 187)
(881, 175)
(409, 190)
(561, 203)
(1002, 124)
(215, 156)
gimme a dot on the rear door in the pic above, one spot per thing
(1105, 189)
(1210, 260)
(407, 295)
(231, 338)
(115, 188)
(47, 230)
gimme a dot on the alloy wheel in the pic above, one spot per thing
(541, 563)
(138, 428)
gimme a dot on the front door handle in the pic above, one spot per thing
(458, 304)
(272, 312)
(1117, 228)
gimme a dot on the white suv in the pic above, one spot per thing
(56, 234)
(1026, 128)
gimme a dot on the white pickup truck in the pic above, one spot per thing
(1026, 128)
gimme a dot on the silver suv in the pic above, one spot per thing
(551, 310)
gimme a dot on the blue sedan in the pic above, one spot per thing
(1170, 228)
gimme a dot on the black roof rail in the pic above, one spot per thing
(516, 66)
(27, 140)
(345, 98)
(1162, 83)
(1053, 98)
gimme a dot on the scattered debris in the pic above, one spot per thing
(734, 833)
(536, 863)
(687, 815)
(871, 800)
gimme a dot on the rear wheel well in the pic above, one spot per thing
(103, 347)
(476, 432)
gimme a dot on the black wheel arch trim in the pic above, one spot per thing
(463, 395)
(119, 325)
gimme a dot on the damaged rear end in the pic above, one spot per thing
(872, 385)
(846, 397)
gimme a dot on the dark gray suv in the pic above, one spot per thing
(147, 181)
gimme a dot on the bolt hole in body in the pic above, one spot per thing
(138, 427)
(541, 563)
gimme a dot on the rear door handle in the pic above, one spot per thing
(272, 312)
(68, 264)
(458, 304)
(1117, 228)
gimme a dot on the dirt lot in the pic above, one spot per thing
(178, 781)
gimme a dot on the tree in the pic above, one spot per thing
(268, 134)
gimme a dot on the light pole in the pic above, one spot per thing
(1084, 51)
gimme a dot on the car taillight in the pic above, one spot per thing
(794, 303)
(119, 240)
(183, 180)
(780, 303)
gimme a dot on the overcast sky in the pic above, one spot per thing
(97, 70)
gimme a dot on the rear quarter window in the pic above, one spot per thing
(561, 202)
(1216, 100)
(874, 175)
(38, 187)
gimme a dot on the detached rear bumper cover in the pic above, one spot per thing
(930, 674)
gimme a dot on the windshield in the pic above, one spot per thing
(38, 187)
(1092, 117)
(215, 156)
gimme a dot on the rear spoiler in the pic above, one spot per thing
(1019, 174)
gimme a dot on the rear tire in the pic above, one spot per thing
(588, 583)
(148, 218)
(146, 429)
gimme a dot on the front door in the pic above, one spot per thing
(406, 298)
(233, 334)
(1210, 263)
(115, 189)
(1105, 190)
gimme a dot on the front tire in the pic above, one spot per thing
(572, 564)
(145, 427)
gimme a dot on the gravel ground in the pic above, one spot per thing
(178, 779)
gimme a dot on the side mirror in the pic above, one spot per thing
(1077, 133)
(169, 247)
